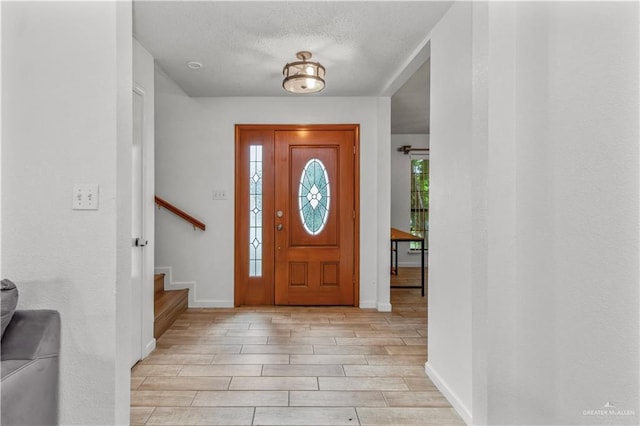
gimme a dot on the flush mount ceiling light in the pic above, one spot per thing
(303, 76)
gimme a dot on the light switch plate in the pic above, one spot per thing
(85, 197)
(219, 194)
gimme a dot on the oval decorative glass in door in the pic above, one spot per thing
(314, 196)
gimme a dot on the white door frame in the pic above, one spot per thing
(137, 224)
(147, 342)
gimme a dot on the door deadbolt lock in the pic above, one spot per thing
(279, 213)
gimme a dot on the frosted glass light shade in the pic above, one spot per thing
(303, 76)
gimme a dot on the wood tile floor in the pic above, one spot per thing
(292, 366)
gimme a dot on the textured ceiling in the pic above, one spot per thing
(244, 45)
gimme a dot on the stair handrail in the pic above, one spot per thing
(181, 213)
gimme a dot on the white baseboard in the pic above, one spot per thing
(384, 307)
(372, 304)
(408, 264)
(451, 396)
(149, 347)
(194, 301)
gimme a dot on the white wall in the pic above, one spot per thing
(479, 216)
(449, 290)
(66, 77)
(1, 274)
(382, 227)
(123, 59)
(564, 333)
(195, 155)
(591, 156)
(549, 176)
(400, 191)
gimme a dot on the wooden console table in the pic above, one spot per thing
(401, 236)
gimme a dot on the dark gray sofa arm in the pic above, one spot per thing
(32, 334)
(29, 353)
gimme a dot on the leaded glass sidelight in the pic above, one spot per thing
(255, 210)
(314, 196)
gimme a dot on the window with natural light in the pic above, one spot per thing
(419, 199)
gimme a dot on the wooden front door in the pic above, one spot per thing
(315, 217)
(308, 189)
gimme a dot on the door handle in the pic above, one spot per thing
(139, 242)
(279, 227)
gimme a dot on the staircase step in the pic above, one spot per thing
(158, 283)
(168, 305)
